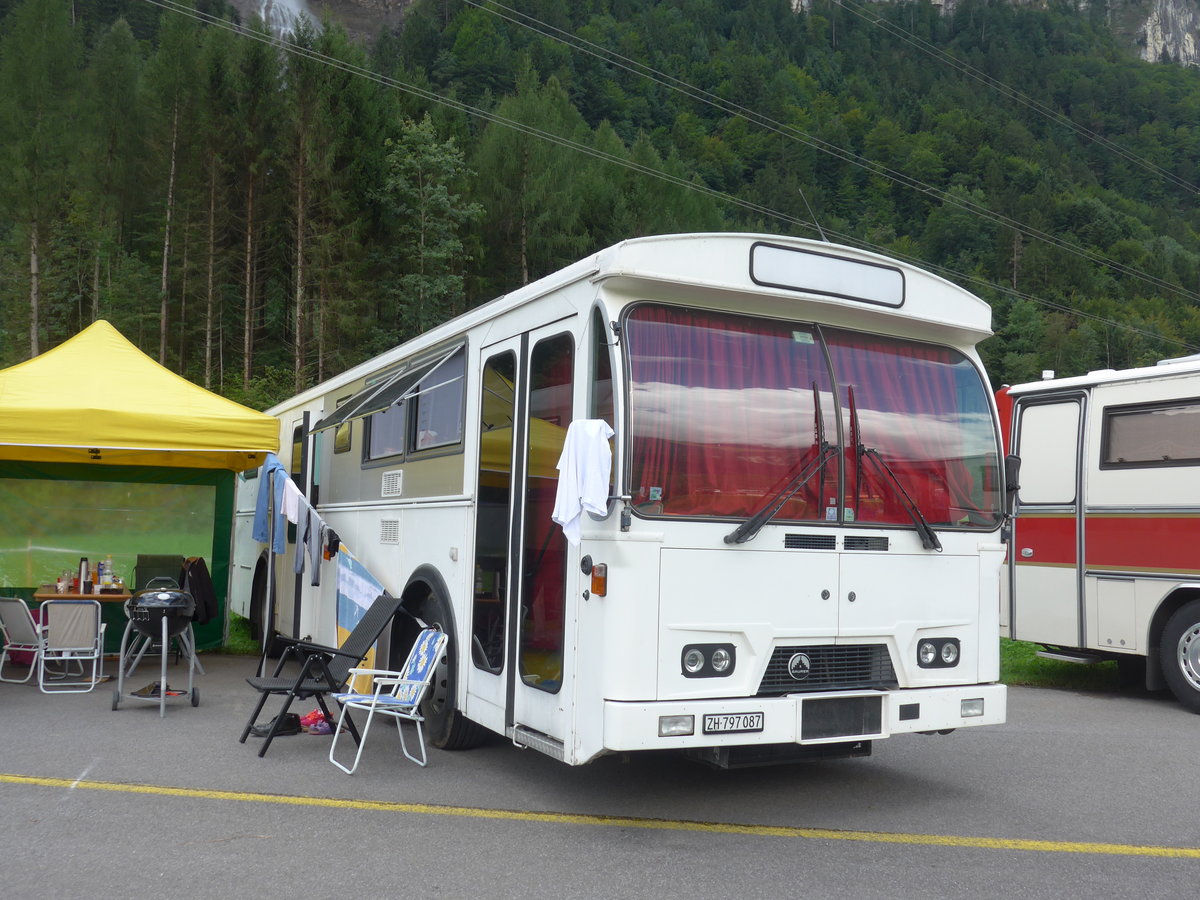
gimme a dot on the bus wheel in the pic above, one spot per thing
(1180, 652)
(446, 727)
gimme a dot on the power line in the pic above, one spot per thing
(728, 107)
(869, 15)
(567, 143)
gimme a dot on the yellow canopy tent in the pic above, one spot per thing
(97, 398)
(104, 451)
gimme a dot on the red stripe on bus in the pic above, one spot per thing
(1133, 543)
(1161, 543)
(1051, 538)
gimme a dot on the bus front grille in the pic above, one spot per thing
(827, 667)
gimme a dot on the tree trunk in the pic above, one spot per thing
(1017, 249)
(209, 291)
(35, 288)
(524, 223)
(248, 287)
(298, 315)
(321, 324)
(166, 254)
(180, 361)
(96, 284)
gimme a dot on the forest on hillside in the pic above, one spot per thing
(259, 214)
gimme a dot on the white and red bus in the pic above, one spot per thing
(799, 551)
(1106, 542)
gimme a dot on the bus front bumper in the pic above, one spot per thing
(818, 718)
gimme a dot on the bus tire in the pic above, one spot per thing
(445, 726)
(1180, 654)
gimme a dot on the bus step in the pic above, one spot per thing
(1072, 656)
(536, 740)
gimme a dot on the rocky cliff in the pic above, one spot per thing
(1156, 30)
(1170, 30)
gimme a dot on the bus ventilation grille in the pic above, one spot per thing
(863, 542)
(389, 531)
(809, 542)
(392, 483)
(829, 668)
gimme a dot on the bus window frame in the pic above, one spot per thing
(1109, 413)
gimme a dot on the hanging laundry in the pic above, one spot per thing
(269, 499)
(583, 475)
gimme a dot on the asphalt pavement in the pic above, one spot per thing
(1078, 795)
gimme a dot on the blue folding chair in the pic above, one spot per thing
(394, 693)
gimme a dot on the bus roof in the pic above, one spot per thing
(1183, 366)
(728, 264)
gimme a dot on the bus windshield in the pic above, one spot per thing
(728, 411)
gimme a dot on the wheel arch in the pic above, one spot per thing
(1170, 603)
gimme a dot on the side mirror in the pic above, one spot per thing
(1012, 481)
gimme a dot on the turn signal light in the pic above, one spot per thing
(600, 580)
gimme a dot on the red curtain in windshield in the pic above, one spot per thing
(722, 412)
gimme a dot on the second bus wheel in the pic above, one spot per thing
(1180, 654)
(445, 725)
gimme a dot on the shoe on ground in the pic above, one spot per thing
(289, 725)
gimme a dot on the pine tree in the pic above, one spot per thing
(421, 193)
(39, 60)
(172, 75)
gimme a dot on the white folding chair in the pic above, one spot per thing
(395, 693)
(20, 635)
(72, 633)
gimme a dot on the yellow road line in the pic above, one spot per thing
(783, 831)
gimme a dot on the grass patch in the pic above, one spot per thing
(1020, 664)
(239, 642)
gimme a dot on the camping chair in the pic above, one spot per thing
(20, 634)
(396, 694)
(323, 670)
(72, 632)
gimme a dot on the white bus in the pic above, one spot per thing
(800, 547)
(1105, 563)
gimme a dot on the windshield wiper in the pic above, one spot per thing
(748, 529)
(929, 539)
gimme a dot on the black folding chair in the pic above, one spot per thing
(323, 670)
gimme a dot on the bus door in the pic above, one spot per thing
(538, 691)
(1046, 596)
(520, 611)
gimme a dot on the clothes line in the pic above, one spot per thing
(315, 540)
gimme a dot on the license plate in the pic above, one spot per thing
(731, 723)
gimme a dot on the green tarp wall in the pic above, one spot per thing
(56, 513)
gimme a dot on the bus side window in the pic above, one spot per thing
(601, 403)
(438, 413)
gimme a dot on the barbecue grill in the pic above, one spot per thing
(157, 613)
(148, 608)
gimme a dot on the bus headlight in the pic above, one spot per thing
(938, 653)
(708, 660)
(926, 653)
